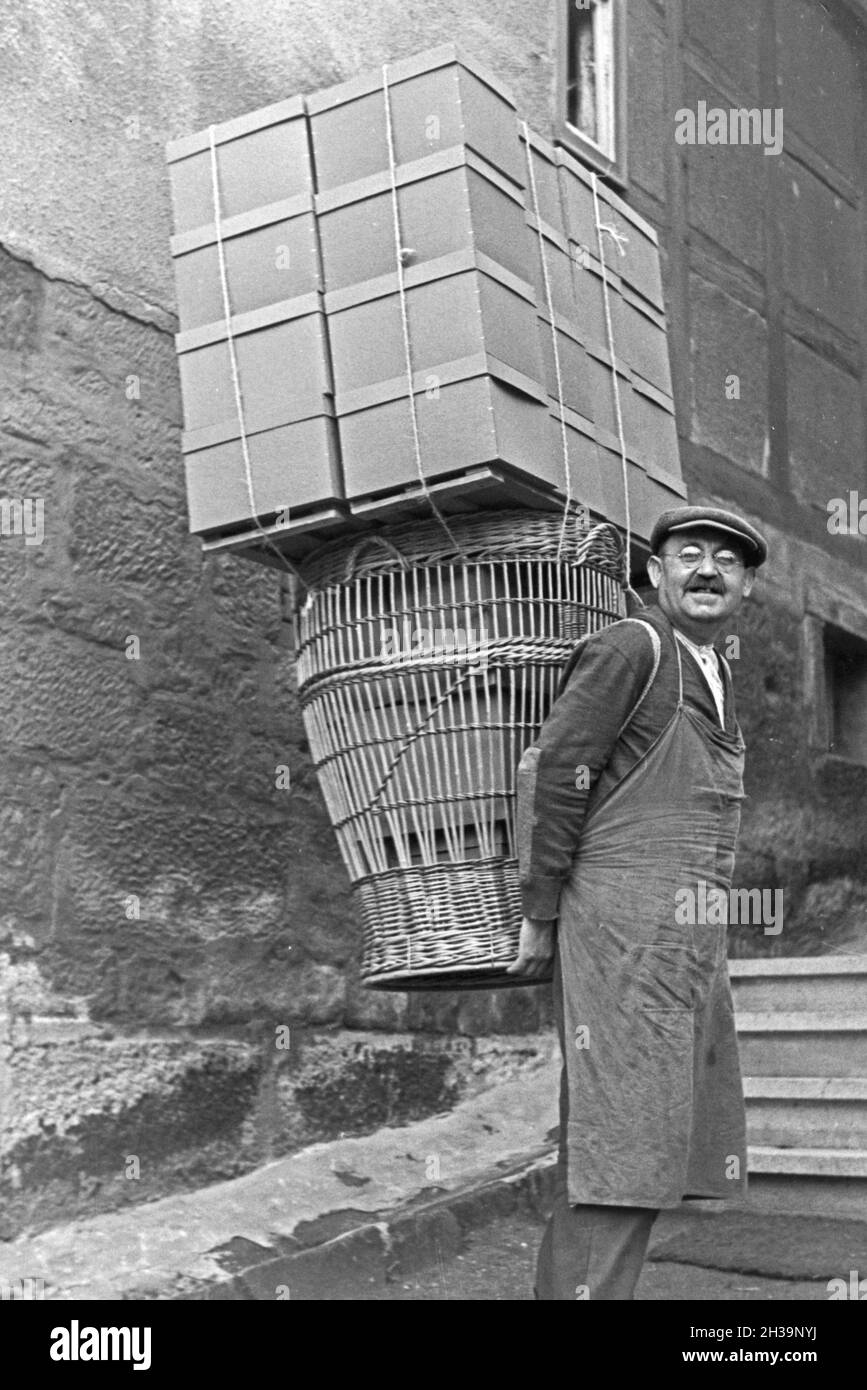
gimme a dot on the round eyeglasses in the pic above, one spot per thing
(691, 556)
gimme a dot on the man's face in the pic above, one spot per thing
(702, 578)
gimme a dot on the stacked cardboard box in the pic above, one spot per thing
(562, 217)
(470, 310)
(379, 247)
(255, 185)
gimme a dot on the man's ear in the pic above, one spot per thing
(654, 570)
(749, 580)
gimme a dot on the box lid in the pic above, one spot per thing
(206, 234)
(571, 417)
(642, 306)
(673, 481)
(402, 71)
(249, 322)
(446, 373)
(564, 324)
(600, 353)
(456, 263)
(455, 157)
(538, 143)
(543, 231)
(653, 393)
(224, 131)
(225, 431)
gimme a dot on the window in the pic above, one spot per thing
(836, 685)
(591, 97)
(846, 675)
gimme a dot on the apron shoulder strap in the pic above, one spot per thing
(657, 651)
(727, 670)
(728, 687)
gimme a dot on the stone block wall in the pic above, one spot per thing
(165, 908)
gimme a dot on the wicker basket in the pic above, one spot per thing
(424, 671)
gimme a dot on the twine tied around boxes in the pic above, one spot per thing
(400, 257)
(416, 748)
(401, 254)
(233, 360)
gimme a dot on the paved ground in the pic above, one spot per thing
(499, 1262)
(449, 1208)
(182, 1243)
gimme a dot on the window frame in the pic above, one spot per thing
(819, 622)
(613, 168)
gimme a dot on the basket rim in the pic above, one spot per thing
(453, 977)
(482, 538)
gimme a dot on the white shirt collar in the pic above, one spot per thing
(701, 649)
(710, 668)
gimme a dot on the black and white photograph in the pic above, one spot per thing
(433, 701)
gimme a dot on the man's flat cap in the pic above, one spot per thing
(714, 519)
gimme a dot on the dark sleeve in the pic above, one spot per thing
(601, 686)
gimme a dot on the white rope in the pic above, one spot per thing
(618, 237)
(550, 302)
(401, 254)
(230, 343)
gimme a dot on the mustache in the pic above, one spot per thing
(698, 585)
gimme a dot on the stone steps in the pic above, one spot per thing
(782, 1110)
(802, 1035)
(817, 984)
(803, 1044)
(828, 1163)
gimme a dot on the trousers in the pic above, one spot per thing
(591, 1252)
(587, 1252)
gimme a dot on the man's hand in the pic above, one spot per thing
(535, 949)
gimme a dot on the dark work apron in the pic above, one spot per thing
(655, 1100)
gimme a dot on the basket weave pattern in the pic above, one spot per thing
(423, 675)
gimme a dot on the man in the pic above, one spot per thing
(632, 793)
